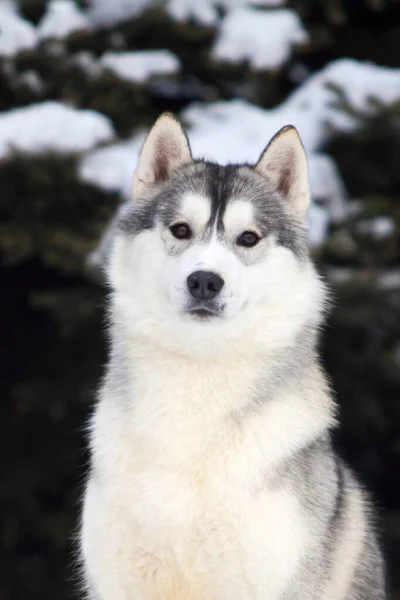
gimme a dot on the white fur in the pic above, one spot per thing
(239, 217)
(176, 502)
(177, 507)
(175, 511)
(195, 210)
(268, 308)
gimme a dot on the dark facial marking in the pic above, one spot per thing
(222, 184)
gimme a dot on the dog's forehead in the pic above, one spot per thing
(198, 209)
(239, 214)
(221, 195)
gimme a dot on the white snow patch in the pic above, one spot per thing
(378, 227)
(52, 126)
(62, 18)
(317, 223)
(141, 65)
(112, 168)
(205, 12)
(16, 34)
(106, 13)
(236, 131)
(10, 6)
(263, 38)
(313, 107)
(231, 131)
(327, 187)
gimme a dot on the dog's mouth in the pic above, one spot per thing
(203, 313)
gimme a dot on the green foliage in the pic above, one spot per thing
(48, 214)
(32, 10)
(50, 221)
(369, 157)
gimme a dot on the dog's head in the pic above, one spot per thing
(212, 257)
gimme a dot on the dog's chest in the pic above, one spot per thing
(215, 537)
(189, 491)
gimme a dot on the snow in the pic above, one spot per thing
(236, 131)
(112, 168)
(313, 107)
(378, 227)
(263, 38)
(106, 13)
(326, 184)
(16, 34)
(9, 5)
(61, 18)
(205, 12)
(52, 126)
(139, 66)
(317, 223)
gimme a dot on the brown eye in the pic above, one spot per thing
(181, 231)
(248, 239)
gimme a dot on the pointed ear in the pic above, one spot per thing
(165, 149)
(284, 161)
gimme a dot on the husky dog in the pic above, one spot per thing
(213, 475)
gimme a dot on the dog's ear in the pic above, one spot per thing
(284, 162)
(165, 149)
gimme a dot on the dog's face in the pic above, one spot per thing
(208, 257)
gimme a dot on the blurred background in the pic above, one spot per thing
(79, 85)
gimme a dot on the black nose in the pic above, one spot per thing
(204, 285)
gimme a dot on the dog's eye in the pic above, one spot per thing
(248, 239)
(181, 231)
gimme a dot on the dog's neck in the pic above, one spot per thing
(244, 378)
(181, 407)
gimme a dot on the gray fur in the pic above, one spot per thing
(323, 482)
(222, 184)
(325, 491)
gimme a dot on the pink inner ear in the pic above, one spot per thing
(285, 181)
(161, 161)
(167, 155)
(160, 167)
(286, 174)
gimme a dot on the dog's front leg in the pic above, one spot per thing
(111, 563)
